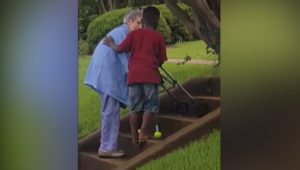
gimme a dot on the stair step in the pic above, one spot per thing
(168, 125)
(218, 98)
(87, 161)
(192, 132)
(177, 130)
(127, 135)
(136, 156)
(177, 117)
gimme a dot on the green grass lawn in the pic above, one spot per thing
(88, 108)
(201, 154)
(195, 49)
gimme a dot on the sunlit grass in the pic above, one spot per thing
(201, 154)
(194, 49)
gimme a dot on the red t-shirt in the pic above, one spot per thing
(148, 52)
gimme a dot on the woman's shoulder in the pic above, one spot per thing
(121, 29)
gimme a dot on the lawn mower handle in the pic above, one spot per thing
(176, 83)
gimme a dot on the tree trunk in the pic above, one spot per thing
(188, 23)
(205, 22)
(129, 3)
(115, 4)
(103, 6)
(111, 4)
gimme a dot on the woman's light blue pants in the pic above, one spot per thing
(110, 123)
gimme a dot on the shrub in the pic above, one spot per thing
(164, 29)
(169, 26)
(83, 48)
(100, 26)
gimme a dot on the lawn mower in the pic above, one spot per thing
(186, 105)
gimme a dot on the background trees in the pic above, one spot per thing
(205, 20)
(202, 19)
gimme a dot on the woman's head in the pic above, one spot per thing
(133, 20)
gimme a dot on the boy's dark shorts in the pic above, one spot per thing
(143, 97)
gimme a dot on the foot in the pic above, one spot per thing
(143, 138)
(135, 141)
(111, 154)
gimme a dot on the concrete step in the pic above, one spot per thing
(214, 98)
(124, 144)
(177, 130)
(168, 125)
(137, 156)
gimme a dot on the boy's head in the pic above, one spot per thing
(150, 17)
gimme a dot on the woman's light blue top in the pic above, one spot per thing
(107, 71)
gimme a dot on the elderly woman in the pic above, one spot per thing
(107, 75)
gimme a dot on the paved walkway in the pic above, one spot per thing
(192, 61)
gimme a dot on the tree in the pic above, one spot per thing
(103, 7)
(108, 5)
(205, 21)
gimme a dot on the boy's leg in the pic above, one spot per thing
(136, 104)
(110, 122)
(151, 105)
(140, 119)
(133, 122)
(145, 128)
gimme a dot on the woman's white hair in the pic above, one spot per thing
(131, 16)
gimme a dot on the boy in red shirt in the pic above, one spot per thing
(148, 52)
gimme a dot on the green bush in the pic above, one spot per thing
(169, 26)
(100, 26)
(164, 29)
(83, 48)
